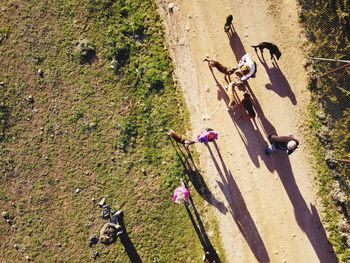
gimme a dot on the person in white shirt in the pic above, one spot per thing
(246, 68)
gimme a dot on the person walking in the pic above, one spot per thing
(282, 143)
(208, 135)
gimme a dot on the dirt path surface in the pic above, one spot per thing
(269, 212)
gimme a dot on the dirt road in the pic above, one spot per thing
(270, 212)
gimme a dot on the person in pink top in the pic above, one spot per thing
(207, 135)
(181, 195)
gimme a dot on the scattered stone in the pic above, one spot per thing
(15, 246)
(28, 258)
(93, 199)
(30, 99)
(92, 125)
(245, 35)
(143, 171)
(2, 83)
(59, 244)
(93, 240)
(5, 215)
(337, 194)
(77, 190)
(40, 73)
(101, 203)
(113, 158)
(95, 255)
(106, 212)
(171, 8)
(293, 235)
(324, 136)
(321, 115)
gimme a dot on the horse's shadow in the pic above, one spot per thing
(278, 82)
(248, 129)
(236, 45)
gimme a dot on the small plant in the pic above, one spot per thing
(4, 33)
(4, 120)
(120, 55)
(153, 79)
(85, 51)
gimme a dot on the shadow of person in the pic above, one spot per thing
(307, 218)
(197, 223)
(236, 46)
(279, 84)
(195, 177)
(128, 245)
(248, 129)
(238, 209)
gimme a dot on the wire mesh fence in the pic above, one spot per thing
(327, 25)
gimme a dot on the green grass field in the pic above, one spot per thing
(102, 100)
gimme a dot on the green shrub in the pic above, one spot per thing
(153, 79)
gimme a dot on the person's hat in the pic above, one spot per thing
(291, 145)
(245, 69)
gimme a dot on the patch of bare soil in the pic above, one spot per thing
(270, 205)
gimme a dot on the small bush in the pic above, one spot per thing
(153, 79)
(122, 55)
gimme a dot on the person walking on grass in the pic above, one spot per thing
(282, 143)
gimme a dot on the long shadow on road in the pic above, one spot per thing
(236, 46)
(247, 129)
(238, 209)
(279, 83)
(307, 218)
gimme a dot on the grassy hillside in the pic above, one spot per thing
(86, 98)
